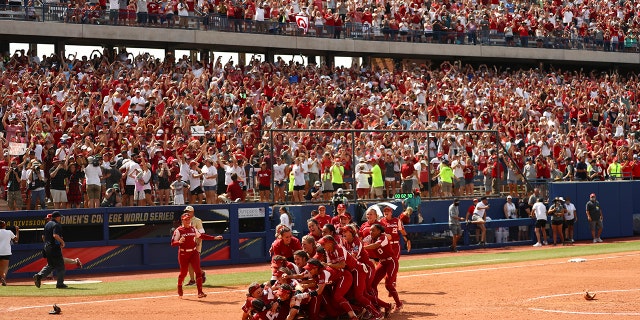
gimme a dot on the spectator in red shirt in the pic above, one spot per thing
(234, 191)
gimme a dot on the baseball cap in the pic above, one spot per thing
(483, 198)
(456, 200)
(48, 216)
(509, 197)
(342, 206)
(55, 214)
(116, 186)
(317, 183)
(475, 199)
(593, 195)
(185, 216)
(188, 209)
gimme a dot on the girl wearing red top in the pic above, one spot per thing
(264, 182)
(185, 237)
(387, 268)
(286, 244)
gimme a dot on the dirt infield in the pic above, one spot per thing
(550, 289)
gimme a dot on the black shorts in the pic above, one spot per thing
(196, 191)
(128, 189)
(557, 222)
(147, 191)
(279, 184)
(298, 188)
(568, 223)
(541, 223)
(5, 257)
(264, 188)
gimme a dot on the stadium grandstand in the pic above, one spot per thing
(563, 108)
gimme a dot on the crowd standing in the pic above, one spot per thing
(76, 129)
(566, 24)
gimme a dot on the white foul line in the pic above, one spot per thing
(452, 263)
(507, 267)
(223, 292)
(115, 300)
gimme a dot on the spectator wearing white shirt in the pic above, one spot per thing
(210, 180)
(93, 174)
(138, 102)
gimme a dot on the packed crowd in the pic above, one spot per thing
(112, 129)
(331, 272)
(601, 25)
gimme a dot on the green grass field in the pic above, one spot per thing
(408, 264)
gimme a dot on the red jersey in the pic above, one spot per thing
(322, 220)
(355, 249)
(365, 229)
(190, 234)
(279, 248)
(340, 254)
(264, 178)
(385, 251)
(392, 227)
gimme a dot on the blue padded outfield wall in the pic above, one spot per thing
(138, 238)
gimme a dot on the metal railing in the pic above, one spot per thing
(350, 30)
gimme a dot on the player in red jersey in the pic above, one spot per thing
(387, 267)
(314, 229)
(340, 283)
(185, 237)
(339, 258)
(354, 246)
(372, 218)
(322, 217)
(286, 244)
(255, 292)
(341, 209)
(394, 227)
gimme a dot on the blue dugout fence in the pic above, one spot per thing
(138, 238)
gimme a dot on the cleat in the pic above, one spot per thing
(387, 310)
(399, 307)
(191, 283)
(204, 277)
(202, 295)
(62, 286)
(3, 281)
(538, 244)
(37, 279)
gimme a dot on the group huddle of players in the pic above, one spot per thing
(335, 270)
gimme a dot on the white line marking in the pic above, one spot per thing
(452, 263)
(116, 300)
(589, 313)
(509, 267)
(11, 309)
